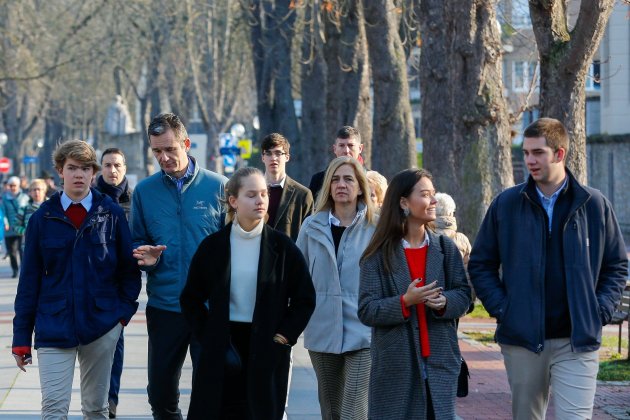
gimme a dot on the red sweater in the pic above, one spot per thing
(417, 262)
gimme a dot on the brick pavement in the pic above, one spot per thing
(489, 392)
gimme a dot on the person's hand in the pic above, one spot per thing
(438, 303)
(148, 255)
(422, 294)
(281, 339)
(22, 357)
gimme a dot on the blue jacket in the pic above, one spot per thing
(75, 285)
(12, 207)
(507, 266)
(161, 215)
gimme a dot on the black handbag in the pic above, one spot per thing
(462, 380)
(233, 362)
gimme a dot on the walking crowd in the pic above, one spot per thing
(375, 276)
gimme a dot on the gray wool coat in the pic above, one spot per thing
(397, 390)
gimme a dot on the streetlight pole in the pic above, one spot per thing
(3, 140)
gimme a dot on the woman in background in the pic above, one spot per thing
(378, 187)
(413, 288)
(248, 298)
(332, 240)
(37, 193)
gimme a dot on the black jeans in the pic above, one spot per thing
(14, 249)
(169, 339)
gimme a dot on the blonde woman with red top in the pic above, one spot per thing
(412, 289)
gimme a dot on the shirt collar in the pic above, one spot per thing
(336, 222)
(555, 195)
(86, 202)
(279, 184)
(424, 243)
(190, 171)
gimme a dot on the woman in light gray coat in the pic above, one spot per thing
(412, 290)
(332, 240)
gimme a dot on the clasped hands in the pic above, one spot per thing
(429, 294)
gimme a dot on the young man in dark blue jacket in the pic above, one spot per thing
(78, 287)
(549, 263)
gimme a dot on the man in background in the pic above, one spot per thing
(347, 143)
(289, 201)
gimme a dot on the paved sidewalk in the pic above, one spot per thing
(489, 396)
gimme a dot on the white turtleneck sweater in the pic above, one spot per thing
(245, 252)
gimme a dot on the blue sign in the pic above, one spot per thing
(229, 160)
(226, 140)
(226, 151)
(29, 160)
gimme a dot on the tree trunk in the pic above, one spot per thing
(565, 57)
(313, 154)
(393, 144)
(348, 96)
(465, 126)
(271, 36)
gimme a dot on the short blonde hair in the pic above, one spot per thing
(324, 198)
(379, 183)
(78, 150)
(40, 182)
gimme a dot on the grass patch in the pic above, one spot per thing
(612, 340)
(615, 369)
(479, 312)
(482, 337)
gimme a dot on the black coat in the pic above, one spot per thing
(285, 300)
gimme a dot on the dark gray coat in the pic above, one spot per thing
(396, 387)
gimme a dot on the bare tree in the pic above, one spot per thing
(393, 138)
(565, 56)
(42, 42)
(465, 127)
(312, 154)
(348, 100)
(217, 52)
(272, 30)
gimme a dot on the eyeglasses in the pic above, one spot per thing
(277, 154)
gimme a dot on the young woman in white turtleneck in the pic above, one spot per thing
(248, 289)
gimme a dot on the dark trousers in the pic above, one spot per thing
(14, 249)
(234, 399)
(117, 367)
(169, 340)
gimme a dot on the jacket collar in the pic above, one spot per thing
(434, 264)
(580, 194)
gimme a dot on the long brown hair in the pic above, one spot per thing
(392, 226)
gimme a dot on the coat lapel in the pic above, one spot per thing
(285, 199)
(435, 260)
(400, 271)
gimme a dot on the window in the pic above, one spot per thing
(524, 73)
(593, 77)
(520, 14)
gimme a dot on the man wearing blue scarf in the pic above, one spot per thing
(113, 183)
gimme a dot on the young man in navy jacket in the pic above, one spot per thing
(549, 263)
(78, 287)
